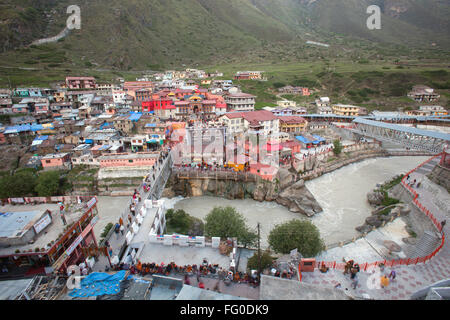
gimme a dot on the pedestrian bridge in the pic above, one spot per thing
(408, 137)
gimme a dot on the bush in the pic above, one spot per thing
(266, 261)
(278, 85)
(106, 230)
(296, 234)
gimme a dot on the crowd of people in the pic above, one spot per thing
(203, 270)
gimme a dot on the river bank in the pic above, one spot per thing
(342, 194)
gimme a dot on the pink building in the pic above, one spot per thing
(81, 83)
(265, 171)
(128, 160)
(56, 161)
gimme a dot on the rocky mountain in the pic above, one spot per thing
(151, 33)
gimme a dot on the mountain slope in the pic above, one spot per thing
(155, 33)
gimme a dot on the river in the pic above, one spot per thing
(342, 194)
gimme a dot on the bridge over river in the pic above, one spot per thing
(408, 137)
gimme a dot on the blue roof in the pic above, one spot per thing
(420, 132)
(318, 138)
(89, 141)
(41, 138)
(303, 139)
(36, 127)
(135, 116)
(150, 125)
(21, 128)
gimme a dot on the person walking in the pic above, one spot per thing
(117, 229)
(61, 213)
(392, 275)
(355, 281)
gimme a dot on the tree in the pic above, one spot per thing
(48, 184)
(226, 222)
(20, 184)
(266, 261)
(296, 234)
(178, 221)
(337, 147)
(278, 85)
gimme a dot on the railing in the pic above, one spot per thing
(407, 262)
(222, 174)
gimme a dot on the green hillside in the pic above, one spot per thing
(156, 34)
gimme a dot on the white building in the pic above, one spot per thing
(262, 121)
(240, 101)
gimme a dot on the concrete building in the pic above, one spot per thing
(81, 83)
(240, 101)
(38, 242)
(128, 160)
(421, 93)
(292, 124)
(345, 110)
(264, 122)
(56, 161)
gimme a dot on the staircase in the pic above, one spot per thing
(427, 168)
(426, 245)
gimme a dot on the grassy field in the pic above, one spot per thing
(380, 84)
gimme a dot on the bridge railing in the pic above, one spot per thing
(410, 261)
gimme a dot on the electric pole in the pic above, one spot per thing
(259, 254)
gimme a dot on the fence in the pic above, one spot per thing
(406, 262)
(39, 200)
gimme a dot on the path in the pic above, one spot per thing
(117, 241)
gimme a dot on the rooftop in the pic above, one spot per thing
(50, 233)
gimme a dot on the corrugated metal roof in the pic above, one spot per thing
(432, 134)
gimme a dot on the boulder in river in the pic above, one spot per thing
(298, 199)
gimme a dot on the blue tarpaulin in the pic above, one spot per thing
(99, 284)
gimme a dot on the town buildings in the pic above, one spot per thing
(303, 91)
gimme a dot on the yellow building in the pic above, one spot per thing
(345, 110)
(292, 124)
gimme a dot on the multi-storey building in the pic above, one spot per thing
(422, 93)
(292, 124)
(81, 83)
(262, 122)
(240, 101)
(345, 110)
